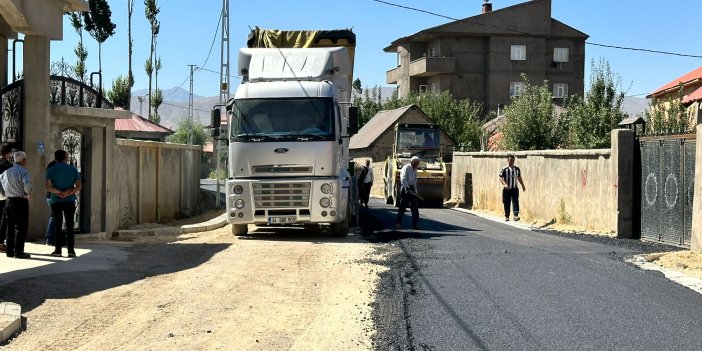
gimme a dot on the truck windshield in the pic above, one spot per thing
(299, 119)
(424, 141)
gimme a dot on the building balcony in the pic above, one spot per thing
(392, 76)
(430, 66)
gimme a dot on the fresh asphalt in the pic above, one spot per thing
(463, 282)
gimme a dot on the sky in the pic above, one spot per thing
(188, 29)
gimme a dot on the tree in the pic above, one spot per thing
(356, 85)
(119, 94)
(669, 116)
(151, 9)
(186, 127)
(130, 74)
(81, 54)
(99, 24)
(156, 101)
(529, 120)
(368, 105)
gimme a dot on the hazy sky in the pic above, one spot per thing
(188, 29)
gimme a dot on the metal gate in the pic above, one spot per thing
(667, 187)
(72, 142)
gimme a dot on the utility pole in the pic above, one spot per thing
(190, 106)
(224, 84)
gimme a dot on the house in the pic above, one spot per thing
(482, 58)
(691, 94)
(376, 138)
(140, 128)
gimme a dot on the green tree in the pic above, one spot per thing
(356, 85)
(99, 24)
(119, 94)
(368, 105)
(591, 120)
(79, 69)
(151, 10)
(188, 127)
(669, 116)
(529, 120)
(156, 101)
(130, 74)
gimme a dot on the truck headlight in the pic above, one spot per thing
(238, 189)
(239, 203)
(326, 188)
(325, 202)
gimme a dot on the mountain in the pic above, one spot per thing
(634, 106)
(175, 106)
(174, 94)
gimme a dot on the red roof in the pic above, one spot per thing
(692, 97)
(687, 78)
(139, 124)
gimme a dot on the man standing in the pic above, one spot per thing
(510, 191)
(16, 185)
(63, 182)
(408, 192)
(367, 183)
(5, 164)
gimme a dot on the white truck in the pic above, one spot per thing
(290, 121)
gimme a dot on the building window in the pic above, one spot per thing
(560, 54)
(560, 90)
(398, 59)
(433, 52)
(516, 88)
(518, 53)
(422, 88)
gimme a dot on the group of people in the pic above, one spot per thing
(61, 180)
(510, 178)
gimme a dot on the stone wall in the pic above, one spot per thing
(158, 182)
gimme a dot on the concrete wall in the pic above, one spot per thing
(158, 182)
(578, 187)
(696, 244)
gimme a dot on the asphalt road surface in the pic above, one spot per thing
(467, 283)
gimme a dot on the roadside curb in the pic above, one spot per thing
(10, 319)
(215, 223)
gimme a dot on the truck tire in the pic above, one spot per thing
(240, 229)
(341, 229)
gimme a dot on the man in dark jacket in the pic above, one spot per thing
(5, 164)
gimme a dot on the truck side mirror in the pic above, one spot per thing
(353, 120)
(215, 122)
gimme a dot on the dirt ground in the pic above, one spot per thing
(210, 291)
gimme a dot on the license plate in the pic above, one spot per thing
(281, 220)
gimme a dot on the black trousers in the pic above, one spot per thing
(511, 196)
(59, 210)
(3, 221)
(17, 210)
(365, 192)
(411, 201)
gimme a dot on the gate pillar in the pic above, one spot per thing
(623, 157)
(36, 127)
(696, 234)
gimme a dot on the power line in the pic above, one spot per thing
(529, 34)
(209, 70)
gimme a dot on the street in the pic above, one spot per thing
(465, 283)
(461, 282)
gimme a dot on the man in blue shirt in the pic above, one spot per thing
(63, 182)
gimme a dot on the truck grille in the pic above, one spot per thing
(282, 169)
(276, 195)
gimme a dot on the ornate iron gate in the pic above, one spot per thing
(72, 142)
(667, 186)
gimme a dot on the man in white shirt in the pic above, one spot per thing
(367, 183)
(408, 192)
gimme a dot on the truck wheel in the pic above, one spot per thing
(240, 229)
(341, 229)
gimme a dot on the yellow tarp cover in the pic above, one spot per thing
(270, 38)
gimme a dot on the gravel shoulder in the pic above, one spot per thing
(292, 290)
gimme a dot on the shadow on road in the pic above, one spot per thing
(143, 261)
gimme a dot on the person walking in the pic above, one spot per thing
(16, 185)
(5, 164)
(408, 193)
(367, 183)
(63, 182)
(509, 176)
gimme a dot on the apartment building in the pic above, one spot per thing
(483, 57)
